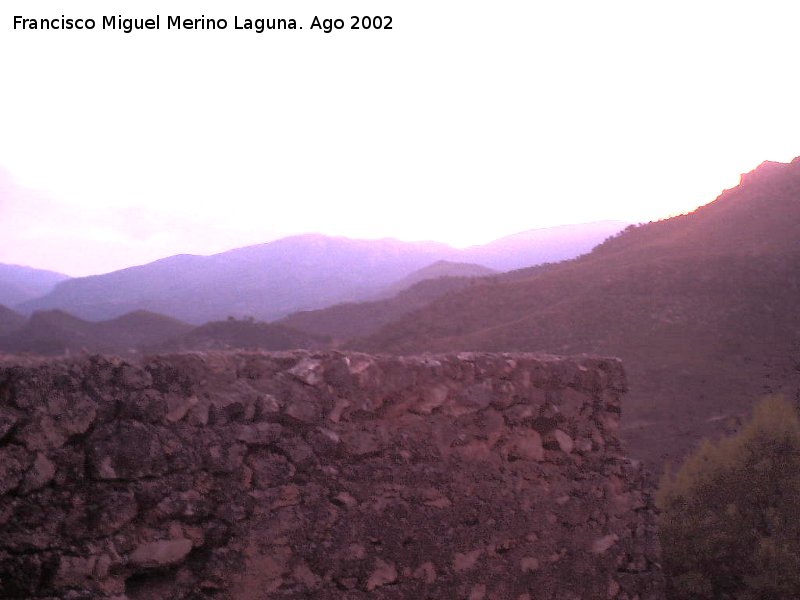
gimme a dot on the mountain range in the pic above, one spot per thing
(702, 309)
(56, 332)
(269, 281)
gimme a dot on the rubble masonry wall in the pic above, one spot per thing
(321, 475)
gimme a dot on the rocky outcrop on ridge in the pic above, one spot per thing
(324, 475)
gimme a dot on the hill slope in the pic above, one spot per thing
(358, 319)
(56, 332)
(441, 268)
(702, 309)
(240, 334)
(18, 283)
(536, 246)
(9, 320)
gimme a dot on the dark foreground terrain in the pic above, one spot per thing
(324, 475)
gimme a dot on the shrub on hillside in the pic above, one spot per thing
(730, 522)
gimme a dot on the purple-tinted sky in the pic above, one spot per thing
(466, 122)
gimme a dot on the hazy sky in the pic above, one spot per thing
(465, 122)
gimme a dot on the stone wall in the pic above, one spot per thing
(321, 475)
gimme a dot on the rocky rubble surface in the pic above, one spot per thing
(321, 475)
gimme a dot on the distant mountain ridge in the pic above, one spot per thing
(19, 283)
(269, 281)
(265, 281)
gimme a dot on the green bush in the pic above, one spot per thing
(730, 521)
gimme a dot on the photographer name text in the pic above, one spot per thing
(131, 25)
